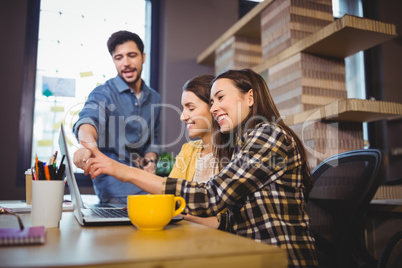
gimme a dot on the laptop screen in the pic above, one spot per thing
(72, 183)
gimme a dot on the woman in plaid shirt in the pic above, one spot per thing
(263, 180)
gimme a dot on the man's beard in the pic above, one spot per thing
(137, 77)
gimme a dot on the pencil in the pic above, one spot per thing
(36, 166)
(47, 173)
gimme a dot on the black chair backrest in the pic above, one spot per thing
(391, 255)
(344, 185)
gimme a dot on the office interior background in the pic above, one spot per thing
(180, 31)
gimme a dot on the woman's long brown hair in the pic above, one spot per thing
(264, 109)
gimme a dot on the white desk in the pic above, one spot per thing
(182, 244)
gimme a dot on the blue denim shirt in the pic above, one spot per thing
(126, 127)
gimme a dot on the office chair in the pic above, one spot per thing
(344, 185)
(391, 255)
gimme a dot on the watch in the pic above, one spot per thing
(150, 160)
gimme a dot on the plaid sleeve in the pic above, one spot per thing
(197, 196)
(223, 222)
(169, 186)
(261, 159)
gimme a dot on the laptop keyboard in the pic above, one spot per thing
(110, 213)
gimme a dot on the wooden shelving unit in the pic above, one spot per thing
(349, 110)
(302, 58)
(340, 39)
(248, 26)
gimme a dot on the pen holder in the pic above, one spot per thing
(47, 202)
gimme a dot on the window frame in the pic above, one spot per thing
(29, 83)
(28, 90)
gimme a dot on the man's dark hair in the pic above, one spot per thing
(121, 37)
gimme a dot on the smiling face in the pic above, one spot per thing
(128, 61)
(229, 106)
(196, 115)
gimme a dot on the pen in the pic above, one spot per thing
(62, 159)
(33, 170)
(55, 159)
(41, 171)
(52, 172)
(60, 172)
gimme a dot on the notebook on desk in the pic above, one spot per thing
(88, 216)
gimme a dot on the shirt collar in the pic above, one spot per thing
(122, 86)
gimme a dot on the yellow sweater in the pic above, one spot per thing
(186, 160)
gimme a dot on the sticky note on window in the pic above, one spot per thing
(42, 143)
(57, 109)
(86, 74)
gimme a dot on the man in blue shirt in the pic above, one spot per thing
(121, 117)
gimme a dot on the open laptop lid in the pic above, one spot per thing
(72, 183)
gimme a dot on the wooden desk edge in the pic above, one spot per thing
(62, 245)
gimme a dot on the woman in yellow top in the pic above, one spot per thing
(195, 162)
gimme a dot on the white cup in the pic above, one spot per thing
(47, 202)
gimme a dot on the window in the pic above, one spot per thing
(354, 64)
(73, 59)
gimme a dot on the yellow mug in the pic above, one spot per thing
(153, 212)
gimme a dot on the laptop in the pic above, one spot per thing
(107, 214)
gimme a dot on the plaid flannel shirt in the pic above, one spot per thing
(262, 189)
